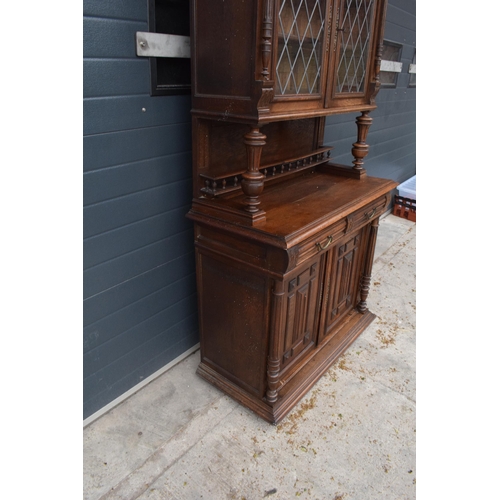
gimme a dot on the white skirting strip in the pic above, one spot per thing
(139, 386)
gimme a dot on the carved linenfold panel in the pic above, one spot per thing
(345, 271)
(300, 313)
(345, 280)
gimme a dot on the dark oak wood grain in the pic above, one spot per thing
(284, 235)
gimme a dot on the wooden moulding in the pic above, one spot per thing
(286, 223)
(225, 184)
(343, 170)
(311, 368)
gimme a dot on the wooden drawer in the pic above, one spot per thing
(366, 214)
(322, 240)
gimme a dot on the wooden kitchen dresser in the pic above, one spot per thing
(284, 236)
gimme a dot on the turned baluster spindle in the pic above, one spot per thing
(366, 275)
(360, 148)
(252, 182)
(267, 33)
(273, 360)
(378, 62)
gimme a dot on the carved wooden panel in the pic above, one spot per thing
(301, 308)
(343, 275)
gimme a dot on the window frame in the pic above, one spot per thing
(399, 46)
(159, 89)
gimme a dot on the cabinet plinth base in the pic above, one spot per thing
(295, 385)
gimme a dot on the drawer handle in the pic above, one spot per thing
(369, 215)
(326, 245)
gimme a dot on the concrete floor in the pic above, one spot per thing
(352, 437)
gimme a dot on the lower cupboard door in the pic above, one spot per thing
(343, 274)
(302, 311)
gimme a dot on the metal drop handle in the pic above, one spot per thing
(369, 215)
(320, 247)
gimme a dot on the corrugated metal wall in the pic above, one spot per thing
(392, 136)
(139, 283)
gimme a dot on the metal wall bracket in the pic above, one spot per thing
(392, 66)
(162, 45)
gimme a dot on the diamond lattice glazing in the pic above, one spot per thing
(354, 37)
(301, 32)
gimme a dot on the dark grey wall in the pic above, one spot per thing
(392, 136)
(139, 285)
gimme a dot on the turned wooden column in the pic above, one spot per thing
(367, 270)
(376, 81)
(360, 148)
(267, 34)
(252, 183)
(273, 360)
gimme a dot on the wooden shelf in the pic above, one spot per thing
(224, 184)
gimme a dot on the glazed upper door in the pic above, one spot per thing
(355, 32)
(300, 53)
(324, 54)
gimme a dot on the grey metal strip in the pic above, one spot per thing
(162, 45)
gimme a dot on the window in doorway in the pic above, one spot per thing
(391, 64)
(413, 71)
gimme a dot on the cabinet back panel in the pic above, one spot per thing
(283, 140)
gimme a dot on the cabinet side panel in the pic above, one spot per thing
(234, 322)
(224, 47)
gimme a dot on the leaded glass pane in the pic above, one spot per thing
(301, 29)
(354, 32)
